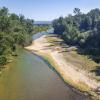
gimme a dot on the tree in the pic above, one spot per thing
(14, 30)
(77, 11)
(4, 11)
(82, 30)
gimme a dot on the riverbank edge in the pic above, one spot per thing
(83, 88)
(13, 58)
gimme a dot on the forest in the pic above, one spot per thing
(81, 30)
(15, 30)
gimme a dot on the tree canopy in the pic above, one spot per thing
(81, 29)
(14, 30)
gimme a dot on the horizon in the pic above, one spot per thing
(48, 10)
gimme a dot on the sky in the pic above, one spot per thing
(47, 10)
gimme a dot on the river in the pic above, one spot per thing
(31, 78)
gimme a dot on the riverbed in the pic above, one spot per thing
(30, 78)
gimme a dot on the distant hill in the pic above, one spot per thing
(42, 22)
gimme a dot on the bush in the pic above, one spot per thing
(3, 60)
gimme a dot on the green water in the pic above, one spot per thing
(30, 78)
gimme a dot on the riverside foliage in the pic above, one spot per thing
(82, 30)
(14, 30)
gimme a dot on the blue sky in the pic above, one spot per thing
(48, 9)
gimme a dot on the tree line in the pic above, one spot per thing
(14, 30)
(82, 30)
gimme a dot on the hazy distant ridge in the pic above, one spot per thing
(42, 22)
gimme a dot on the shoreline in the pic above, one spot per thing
(63, 68)
(70, 85)
(53, 68)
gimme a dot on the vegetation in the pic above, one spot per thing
(40, 28)
(81, 30)
(14, 30)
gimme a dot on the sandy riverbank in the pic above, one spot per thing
(71, 74)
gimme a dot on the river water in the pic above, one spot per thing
(31, 78)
